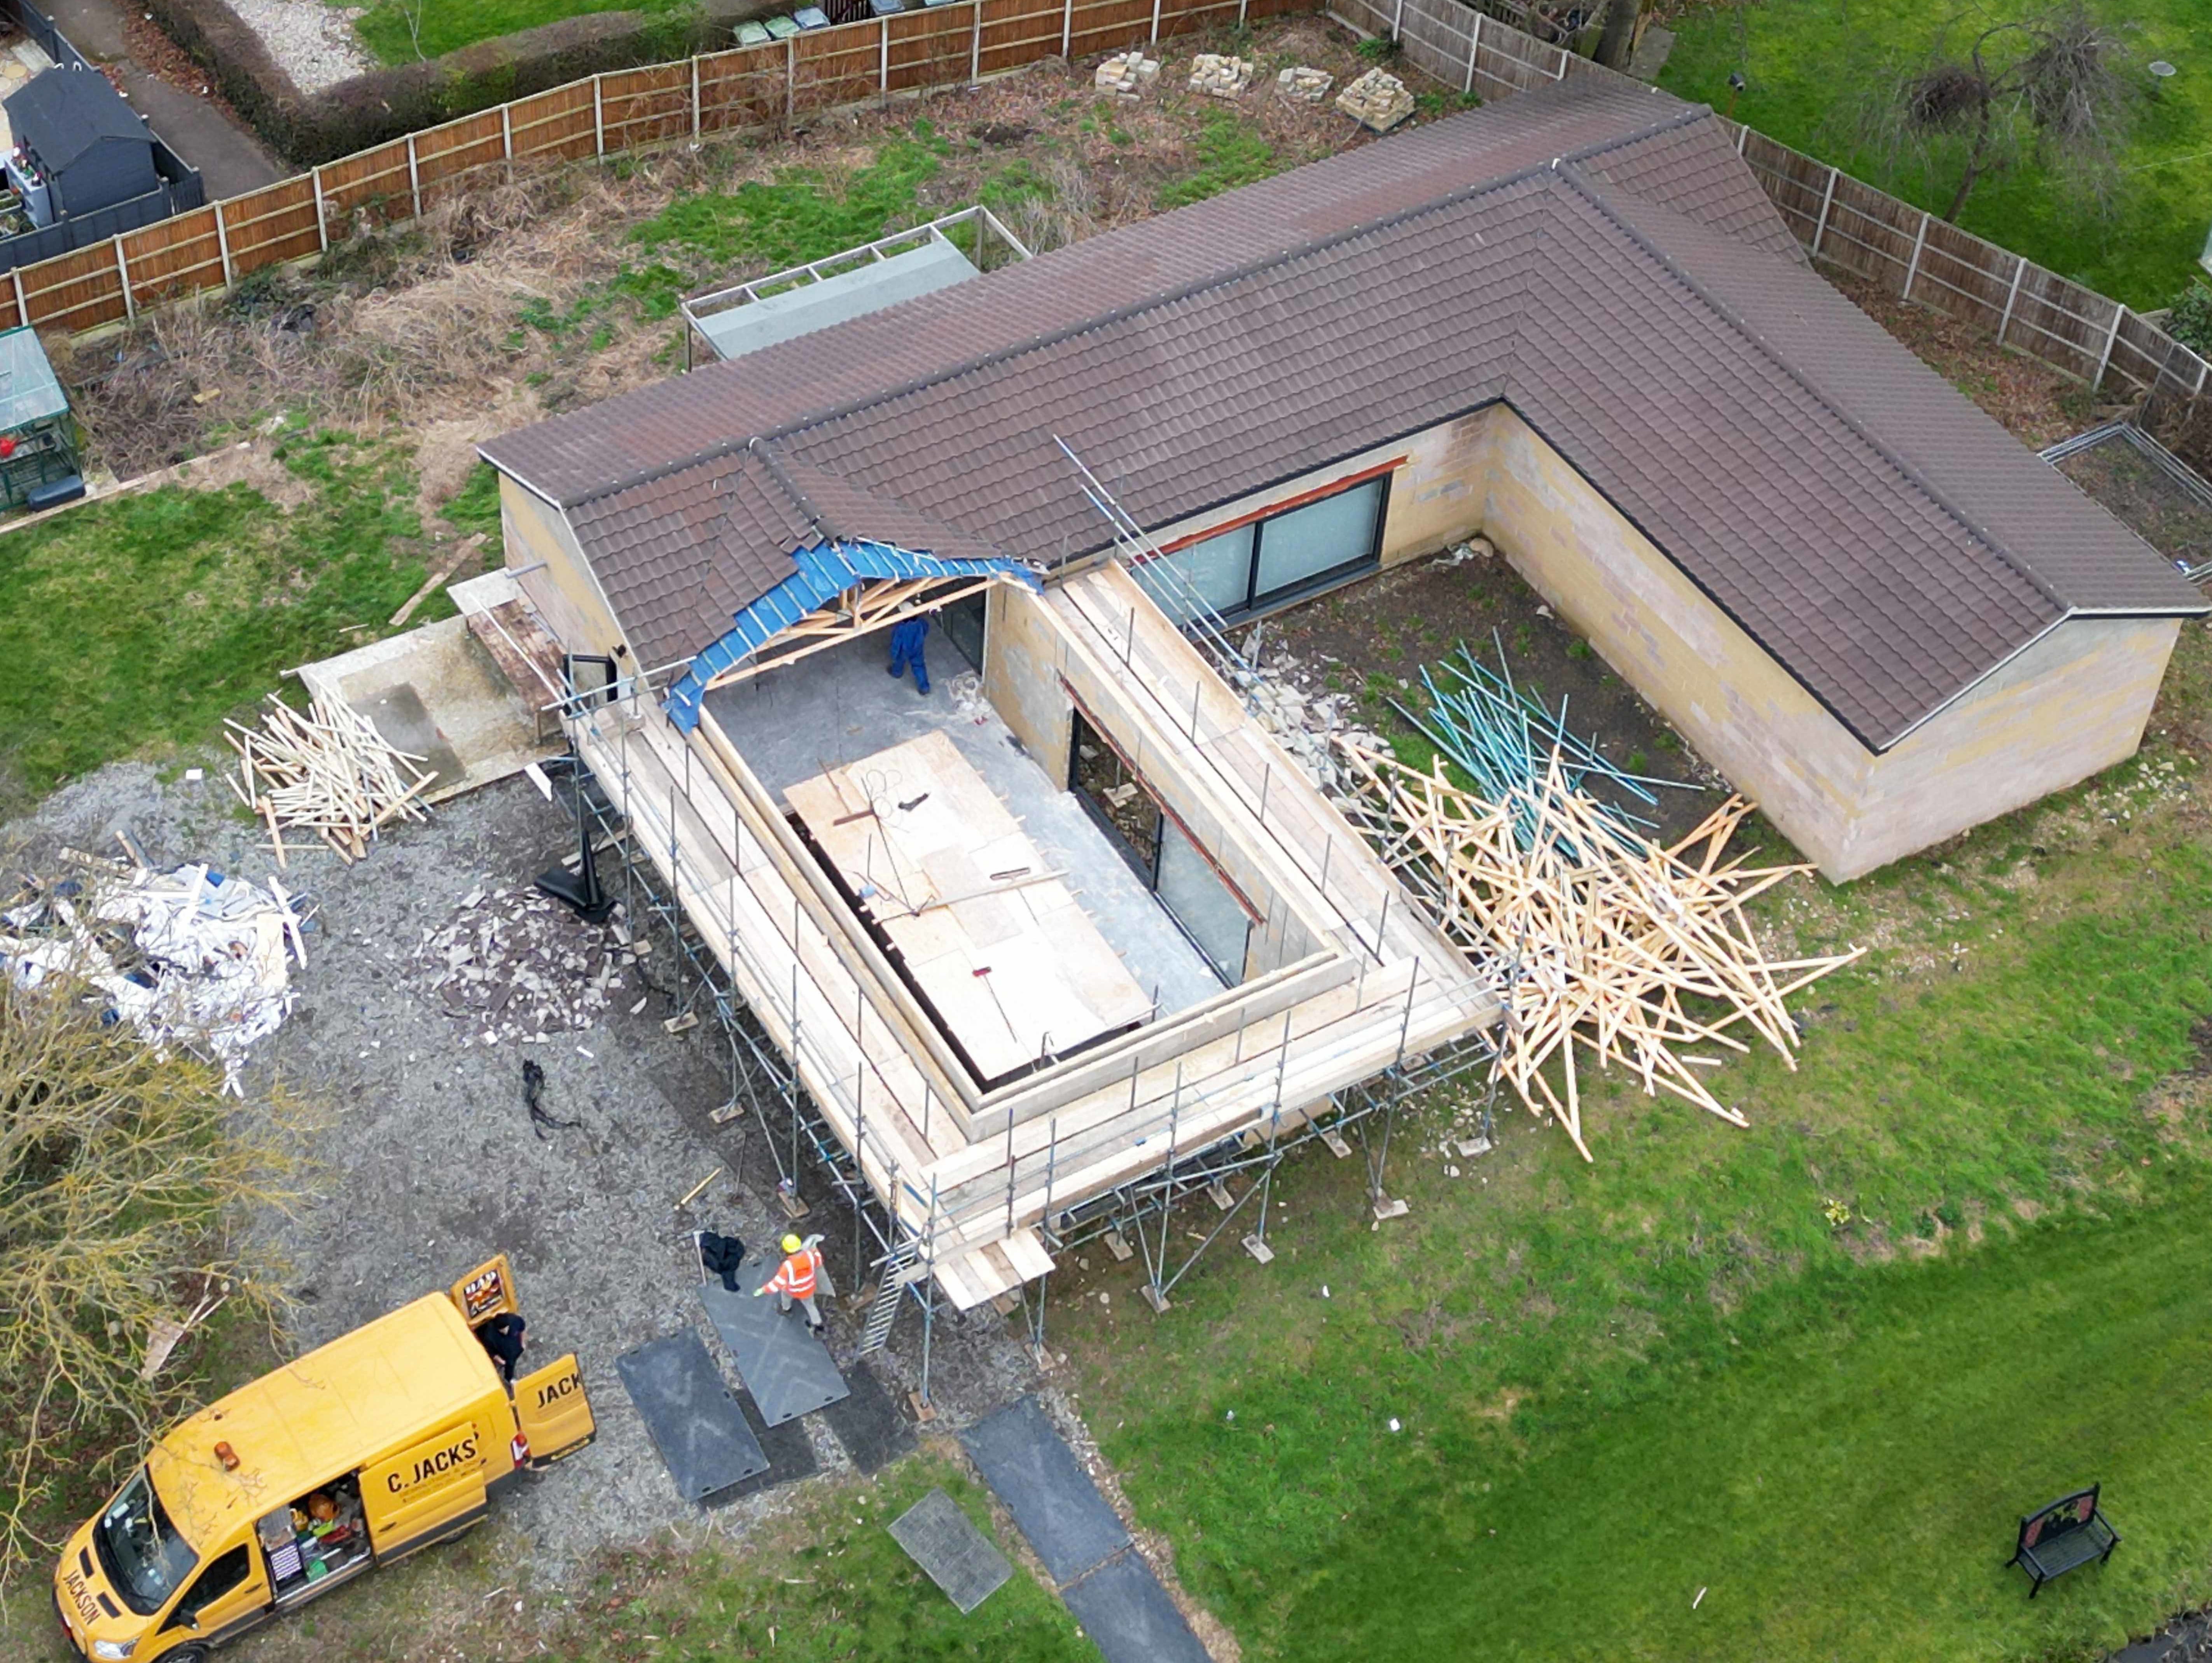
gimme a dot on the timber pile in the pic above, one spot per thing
(1591, 934)
(326, 770)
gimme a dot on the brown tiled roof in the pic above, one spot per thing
(1598, 258)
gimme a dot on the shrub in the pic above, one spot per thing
(2190, 321)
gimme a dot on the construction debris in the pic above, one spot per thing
(1589, 933)
(1378, 100)
(1299, 84)
(1125, 75)
(1305, 724)
(189, 957)
(328, 771)
(1221, 76)
(515, 964)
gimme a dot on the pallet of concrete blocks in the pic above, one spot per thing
(1300, 84)
(1125, 75)
(325, 770)
(1377, 100)
(1220, 77)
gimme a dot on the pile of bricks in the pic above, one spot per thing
(1125, 75)
(1301, 85)
(1221, 77)
(1377, 100)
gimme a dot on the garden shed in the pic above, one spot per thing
(80, 146)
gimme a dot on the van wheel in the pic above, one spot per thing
(186, 1654)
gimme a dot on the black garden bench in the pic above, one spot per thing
(2068, 1532)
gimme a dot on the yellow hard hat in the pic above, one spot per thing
(792, 1243)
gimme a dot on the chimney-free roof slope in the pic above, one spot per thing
(1598, 259)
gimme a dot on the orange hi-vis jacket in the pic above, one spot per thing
(795, 1276)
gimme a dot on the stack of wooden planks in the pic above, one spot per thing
(327, 770)
(1591, 934)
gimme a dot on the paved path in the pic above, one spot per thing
(230, 159)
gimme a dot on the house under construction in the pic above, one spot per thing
(1062, 937)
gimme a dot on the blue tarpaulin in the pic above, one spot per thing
(825, 571)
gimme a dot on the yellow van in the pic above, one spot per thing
(383, 1441)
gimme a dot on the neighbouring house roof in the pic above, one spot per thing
(1598, 259)
(821, 572)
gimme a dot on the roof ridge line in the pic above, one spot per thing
(1591, 191)
(1122, 314)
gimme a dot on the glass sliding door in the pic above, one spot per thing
(1217, 573)
(1338, 533)
(1196, 898)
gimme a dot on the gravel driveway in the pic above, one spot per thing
(312, 43)
(430, 1162)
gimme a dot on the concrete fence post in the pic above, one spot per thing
(414, 178)
(1742, 134)
(884, 59)
(1912, 269)
(2112, 339)
(1474, 51)
(695, 98)
(1397, 21)
(1156, 22)
(123, 270)
(2012, 299)
(22, 306)
(1067, 26)
(222, 247)
(598, 120)
(322, 225)
(1827, 202)
(975, 41)
(506, 139)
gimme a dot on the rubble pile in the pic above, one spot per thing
(1379, 100)
(1299, 84)
(1221, 77)
(1307, 724)
(189, 957)
(1125, 75)
(516, 965)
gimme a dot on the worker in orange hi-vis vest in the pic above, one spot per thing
(795, 1279)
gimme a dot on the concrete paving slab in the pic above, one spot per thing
(1053, 1500)
(787, 1369)
(1128, 1615)
(691, 1416)
(958, 1558)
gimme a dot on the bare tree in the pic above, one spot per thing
(2059, 85)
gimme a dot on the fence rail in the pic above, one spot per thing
(746, 88)
(1840, 220)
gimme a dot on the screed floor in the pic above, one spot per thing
(839, 706)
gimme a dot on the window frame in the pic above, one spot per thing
(1257, 601)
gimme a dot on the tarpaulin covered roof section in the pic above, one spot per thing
(825, 571)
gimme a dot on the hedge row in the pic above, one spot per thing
(386, 103)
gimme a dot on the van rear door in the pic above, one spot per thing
(553, 1412)
(485, 1292)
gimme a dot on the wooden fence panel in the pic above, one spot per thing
(1111, 25)
(1019, 31)
(450, 160)
(174, 257)
(82, 289)
(741, 89)
(368, 189)
(272, 225)
(929, 48)
(643, 107)
(838, 65)
(556, 124)
(1196, 16)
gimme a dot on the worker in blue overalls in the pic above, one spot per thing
(906, 649)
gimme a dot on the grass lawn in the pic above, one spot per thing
(448, 25)
(1807, 61)
(157, 614)
(1669, 1370)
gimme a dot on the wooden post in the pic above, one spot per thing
(1912, 270)
(1474, 51)
(322, 230)
(123, 270)
(1067, 26)
(22, 306)
(598, 120)
(2012, 299)
(1827, 201)
(222, 247)
(2104, 360)
(414, 178)
(975, 44)
(695, 98)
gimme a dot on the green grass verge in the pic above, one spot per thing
(1807, 61)
(149, 617)
(448, 25)
(1670, 1370)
